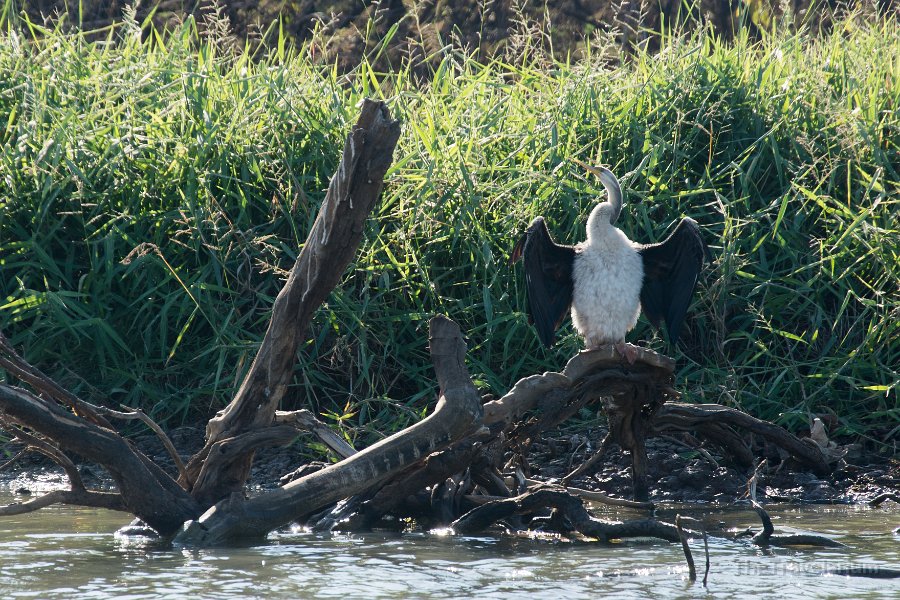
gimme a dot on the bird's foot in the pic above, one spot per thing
(629, 351)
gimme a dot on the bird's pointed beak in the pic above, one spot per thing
(602, 172)
(611, 183)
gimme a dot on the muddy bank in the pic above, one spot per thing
(679, 471)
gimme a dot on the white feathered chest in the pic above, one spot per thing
(607, 274)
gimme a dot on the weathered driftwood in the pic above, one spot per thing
(250, 421)
(457, 414)
(330, 246)
(569, 507)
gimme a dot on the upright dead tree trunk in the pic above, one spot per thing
(223, 465)
(249, 422)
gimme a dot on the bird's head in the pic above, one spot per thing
(604, 212)
(613, 205)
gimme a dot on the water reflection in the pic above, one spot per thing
(65, 552)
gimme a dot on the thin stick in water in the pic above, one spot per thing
(692, 571)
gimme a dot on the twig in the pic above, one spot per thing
(702, 451)
(692, 571)
(595, 496)
(881, 498)
(142, 416)
(589, 463)
(306, 421)
(14, 459)
(751, 485)
(706, 552)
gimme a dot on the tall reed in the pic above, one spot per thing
(154, 190)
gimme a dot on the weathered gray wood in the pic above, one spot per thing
(457, 414)
(148, 493)
(330, 246)
(603, 365)
(691, 417)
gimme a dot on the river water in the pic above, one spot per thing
(66, 552)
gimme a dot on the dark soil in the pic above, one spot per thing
(343, 31)
(678, 472)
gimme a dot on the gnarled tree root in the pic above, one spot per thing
(567, 506)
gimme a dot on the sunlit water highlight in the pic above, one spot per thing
(65, 552)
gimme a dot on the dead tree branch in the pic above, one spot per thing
(329, 248)
(693, 417)
(81, 497)
(146, 420)
(457, 414)
(570, 507)
(147, 491)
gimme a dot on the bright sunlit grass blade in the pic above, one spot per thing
(155, 190)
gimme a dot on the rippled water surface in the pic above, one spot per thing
(64, 552)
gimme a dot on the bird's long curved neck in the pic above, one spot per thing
(605, 214)
(613, 192)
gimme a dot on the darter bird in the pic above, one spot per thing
(608, 279)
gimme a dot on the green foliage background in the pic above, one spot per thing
(155, 189)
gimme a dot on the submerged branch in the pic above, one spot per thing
(569, 506)
(82, 497)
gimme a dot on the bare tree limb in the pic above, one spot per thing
(80, 497)
(142, 416)
(21, 369)
(148, 493)
(457, 414)
(329, 248)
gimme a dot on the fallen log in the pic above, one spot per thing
(249, 422)
(457, 414)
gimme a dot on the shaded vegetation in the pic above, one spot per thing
(389, 32)
(154, 190)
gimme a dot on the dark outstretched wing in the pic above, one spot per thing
(671, 268)
(548, 278)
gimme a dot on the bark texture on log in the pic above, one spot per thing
(330, 246)
(693, 417)
(457, 414)
(147, 492)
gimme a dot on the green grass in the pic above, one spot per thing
(153, 194)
